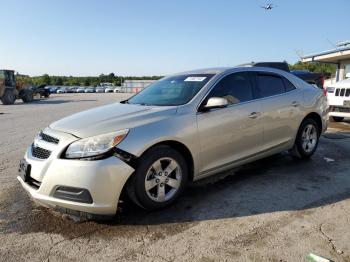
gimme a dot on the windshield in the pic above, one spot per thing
(171, 91)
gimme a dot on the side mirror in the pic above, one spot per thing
(347, 75)
(215, 102)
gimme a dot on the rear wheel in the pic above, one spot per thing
(27, 96)
(159, 178)
(337, 118)
(8, 97)
(307, 139)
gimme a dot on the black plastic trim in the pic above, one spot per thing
(126, 157)
(75, 194)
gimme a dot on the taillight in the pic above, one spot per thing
(322, 81)
(324, 91)
(324, 88)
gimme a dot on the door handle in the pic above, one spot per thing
(254, 115)
(295, 103)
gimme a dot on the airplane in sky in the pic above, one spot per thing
(268, 7)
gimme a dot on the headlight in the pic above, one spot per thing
(96, 145)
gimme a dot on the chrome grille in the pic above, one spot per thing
(40, 153)
(342, 92)
(48, 138)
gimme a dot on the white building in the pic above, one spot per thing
(135, 86)
(340, 56)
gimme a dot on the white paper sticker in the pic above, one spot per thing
(195, 78)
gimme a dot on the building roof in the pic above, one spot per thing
(341, 52)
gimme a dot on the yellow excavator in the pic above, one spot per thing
(10, 89)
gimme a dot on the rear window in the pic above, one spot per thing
(270, 85)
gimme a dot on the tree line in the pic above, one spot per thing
(79, 80)
(328, 70)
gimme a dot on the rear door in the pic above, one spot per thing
(234, 132)
(281, 103)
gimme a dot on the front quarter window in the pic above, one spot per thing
(171, 91)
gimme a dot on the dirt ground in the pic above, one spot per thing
(278, 209)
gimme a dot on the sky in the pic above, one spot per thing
(160, 37)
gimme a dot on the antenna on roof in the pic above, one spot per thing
(334, 45)
(300, 53)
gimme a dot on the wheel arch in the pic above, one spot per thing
(181, 148)
(127, 191)
(317, 118)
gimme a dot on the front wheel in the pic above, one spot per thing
(159, 178)
(307, 139)
(8, 97)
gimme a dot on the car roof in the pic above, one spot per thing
(217, 71)
(214, 70)
(220, 70)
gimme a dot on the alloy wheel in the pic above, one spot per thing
(163, 179)
(309, 138)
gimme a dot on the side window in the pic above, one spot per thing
(269, 85)
(236, 88)
(289, 86)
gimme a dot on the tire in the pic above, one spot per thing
(158, 159)
(306, 142)
(8, 97)
(337, 118)
(27, 96)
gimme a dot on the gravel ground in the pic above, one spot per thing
(277, 209)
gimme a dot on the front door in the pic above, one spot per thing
(232, 133)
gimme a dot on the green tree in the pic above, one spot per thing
(87, 82)
(45, 79)
(328, 70)
(59, 81)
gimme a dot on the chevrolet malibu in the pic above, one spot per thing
(180, 129)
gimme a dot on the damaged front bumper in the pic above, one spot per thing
(93, 187)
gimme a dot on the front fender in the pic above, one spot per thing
(180, 128)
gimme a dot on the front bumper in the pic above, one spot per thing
(103, 179)
(339, 114)
(339, 111)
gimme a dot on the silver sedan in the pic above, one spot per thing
(180, 129)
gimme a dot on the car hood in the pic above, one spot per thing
(344, 83)
(110, 118)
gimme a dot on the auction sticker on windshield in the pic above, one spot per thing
(195, 78)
